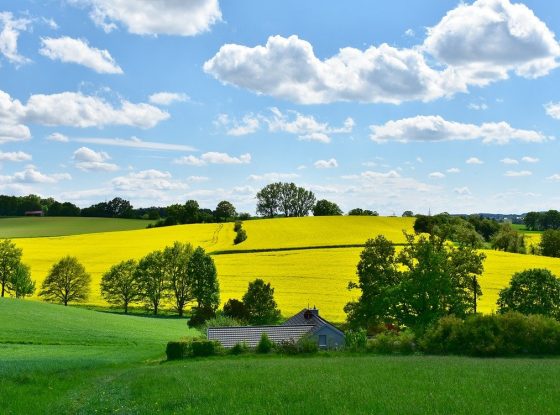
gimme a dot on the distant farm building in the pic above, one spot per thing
(305, 323)
(34, 213)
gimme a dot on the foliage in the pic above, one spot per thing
(203, 348)
(356, 340)
(391, 342)
(237, 226)
(265, 345)
(260, 304)
(150, 274)
(507, 239)
(176, 260)
(325, 208)
(286, 199)
(408, 214)
(116, 208)
(200, 315)
(66, 281)
(493, 335)
(219, 320)
(240, 233)
(541, 221)
(533, 291)
(20, 284)
(362, 212)
(119, 285)
(239, 348)
(305, 345)
(203, 275)
(10, 257)
(268, 200)
(225, 211)
(235, 309)
(425, 281)
(178, 350)
(550, 243)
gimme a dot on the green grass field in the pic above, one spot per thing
(65, 360)
(32, 227)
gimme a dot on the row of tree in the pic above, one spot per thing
(541, 221)
(15, 276)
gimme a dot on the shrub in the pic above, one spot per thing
(356, 339)
(235, 309)
(240, 237)
(237, 226)
(199, 315)
(219, 321)
(390, 342)
(202, 348)
(178, 350)
(305, 345)
(239, 348)
(265, 345)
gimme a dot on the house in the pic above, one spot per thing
(305, 323)
(34, 213)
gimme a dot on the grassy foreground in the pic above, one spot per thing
(32, 227)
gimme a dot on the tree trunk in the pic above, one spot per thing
(155, 309)
(3, 286)
(65, 302)
(126, 307)
(180, 310)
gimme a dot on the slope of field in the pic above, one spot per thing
(321, 231)
(32, 227)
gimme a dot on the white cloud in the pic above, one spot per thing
(9, 35)
(474, 160)
(486, 40)
(288, 68)
(453, 170)
(520, 173)
(273, 177)
(463, 191)
(78, 110)
(554, 177)
(508, 160)
(368, 174)
(168, 98)
(326, 164)
(528, 159)
(167, 17)
(11, 116)
(61, 138)
(477, 107)
(88, 160)
(409, 33)
(15, 156)
(435, 128)
(553, 109)
(134, 142)
(32, 175)
(147, 180)
(248, 125)
(67, 49)
(436, 175)
(213, 157)
(197, 179)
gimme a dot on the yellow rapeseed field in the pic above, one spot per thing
(300, 277)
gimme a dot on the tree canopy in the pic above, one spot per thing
(284, 199)
(66, 281)
(10, 257)
(260, 306)
(119, 285)
(325, 208)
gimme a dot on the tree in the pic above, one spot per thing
(119, 208)
(10, 257)
(177, 213)
(259, 303)
(268, 199)
(550, 243)
(21, 284)
(66, 281)
(224, 211)
(176, 259)
(408, 214)
(119, 285)
(533, 291)
(508, 239)
(191, 210)
(235, 309)
(326, 208)
(532, 221)
(427, 280)
(202, 273)
(303, 202)
(356, 212)
(151, 277)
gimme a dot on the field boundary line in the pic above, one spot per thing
(296, 248)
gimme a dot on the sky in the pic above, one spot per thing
(426, 106)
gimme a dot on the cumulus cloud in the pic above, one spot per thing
(453, 170)
(11, 28)
(436, 175)
(15, 156)
(553, 109)
(168, 98)
(326, 164)
(518, 173)
(78, 51)
(146, 180)
(87, 159)
(288, 68)
(213, 157)
(273, 177)
(32, 175)
(474, 160)
(248, 125)
(528, 159)
(167, 17)
(508, 37)
(487, 39)
(436, 128)
(554, 177)
(508, 160)
(11, 120)
(61, 138)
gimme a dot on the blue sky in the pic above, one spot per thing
(434, 105)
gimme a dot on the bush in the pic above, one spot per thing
(178, 350)
(391, 342)
(240, 237)
(219, 321)
(239, 348)
(235, 309)
(237, 226)
(203, 348)
(199, 315)
(495, 335)
(356, 340)
(305, 345)
(265, 345)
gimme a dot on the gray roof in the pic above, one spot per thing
(251, 335)
(310, 316)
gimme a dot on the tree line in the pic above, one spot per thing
(541, 221)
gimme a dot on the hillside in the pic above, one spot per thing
(31, 227)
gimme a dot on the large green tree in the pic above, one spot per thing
(152, 280)
(21, 285)
(326, 208)
(550, 243)
(260, 306)
(507, 239)
(66, 281)
(10, 257)
(533, 291)
(224, 211)
(268, 200)
(176, 259)
(119, 285)
(202, 274)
